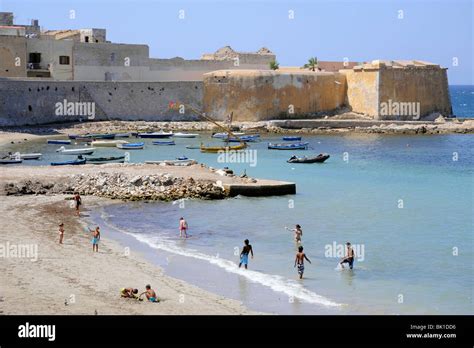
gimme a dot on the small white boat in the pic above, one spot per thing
(131, 146)
(186, 162)
(185, 135)
(64, 151)
(225, 135)
(108, 143)
(26, 156)
(158, 135)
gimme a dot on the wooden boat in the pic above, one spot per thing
(164, 142)
(131, 146)
(102, 160)
(291, 138)
(26, 156)
(225, 135)
(216, 149)
(70, 163)
(11, 161)
(107, 143)
(87, 151)
(59, 141)
(315, 159)
(288, 146)
(185, 135)
(156, 135)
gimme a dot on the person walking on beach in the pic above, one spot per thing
(183, 228)
(150, 294)
(299, 261)
(244, 255)
(298, 233)
(350, 256)
(95, 239)
(61, 233)
(77, 198)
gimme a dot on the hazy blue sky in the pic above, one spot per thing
(436, 31)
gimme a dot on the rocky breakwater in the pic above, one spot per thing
(123, 186)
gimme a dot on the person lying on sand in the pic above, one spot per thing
(150, 294)
(129, 293)
(299, 261)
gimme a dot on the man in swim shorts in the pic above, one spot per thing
(95, 239)
(350, 256)
(244, 255)
(77, 198)
(183, 228)
(150, 294)
(299, 261)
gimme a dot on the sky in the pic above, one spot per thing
(438, 31)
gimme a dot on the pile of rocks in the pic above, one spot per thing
(122, 186)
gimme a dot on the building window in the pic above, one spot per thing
(64, 60)
(34, 60)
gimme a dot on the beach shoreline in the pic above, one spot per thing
(71, 279)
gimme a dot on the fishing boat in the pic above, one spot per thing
(131, 146)
(59, 141)
(108, 143)
(11, 161)
(64, 151)
(26, 156)
(216, 149)
(156, 135)
(288, 146)
(70, 163)
(314, 159)
(225, 135)
(291, 138)
(102, 160)
(171, 142)
(185, 135)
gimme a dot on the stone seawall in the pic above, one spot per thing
(34, 102)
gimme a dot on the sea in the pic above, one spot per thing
(404, 202)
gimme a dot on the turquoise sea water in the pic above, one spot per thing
(407, 200)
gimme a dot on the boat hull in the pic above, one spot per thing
(216, 149)
(154, 135)
(316, 159)
(296, 146)
(69, 163)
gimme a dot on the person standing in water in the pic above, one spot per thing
(95, 239)
(298, 233)
(244, 255)
(299, 261)
(183, 228)
(61, 233)
(350, 256)
(77, 198)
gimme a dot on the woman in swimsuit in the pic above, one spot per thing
(298, 233)
(61, 233)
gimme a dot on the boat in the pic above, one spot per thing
(11, 161)
(226, 135)
(100, 136)
(70, 163)
(193, 147)
(131, 146)
(87, 151)
(82, 139)
(182, 158)
(102, 160)
(26, 156)
(156, 135)
(107, 143)
(59, 141)
(288, 146)
(122, 135)
(177, 162)
(185, 135)
(216, 149)
(246, 138)
(291, 138)
(314, 159)
(164, 142)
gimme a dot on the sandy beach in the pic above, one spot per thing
(71, 279)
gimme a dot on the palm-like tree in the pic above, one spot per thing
(274, 65)
(312, 64)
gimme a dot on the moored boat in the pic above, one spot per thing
(26, 156)
(87, 151)
(107, 143)
(314, 159)
(69, 163)
(100, 136)
(177, 162)
(102, 160)
(246, 138)
(11, 161)
(157, 135)
(185, 135)
(291, 138)
(171, 142)
(122, 135)
(288, 146)
(226, 135)
(59, 141)
(131, 146)
(192, 147)
(216, 149)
